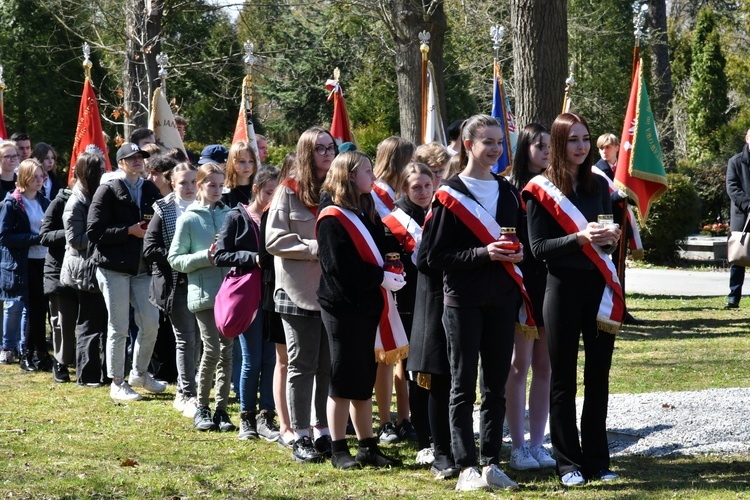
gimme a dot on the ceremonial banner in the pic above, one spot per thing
(501, 110)
(89, 137)
(640, 169)
(245, 130)
(161, 121)
(340, 123)
(434, 131)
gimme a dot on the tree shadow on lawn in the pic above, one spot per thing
(696, 328)
(688, 302)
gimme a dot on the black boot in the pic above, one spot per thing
(27, 362)
(44, 362)
(369, 454)
(340, 456)
(60, 372)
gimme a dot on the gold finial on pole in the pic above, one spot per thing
(87, 65)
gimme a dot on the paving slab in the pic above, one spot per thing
(677, 282)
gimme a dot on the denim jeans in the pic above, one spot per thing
(12, 312)
(185, 332)
(309, 369)
(217, 359)
(258, 362)
(121, 290)
(479, 333)
(736, 280)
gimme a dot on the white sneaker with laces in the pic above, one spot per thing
(521, 459)
(7, 357)
(496, 478)
(542, 456)
(123, 392)
(471, 479)
(179, 402)
(146, 381)
(426, 456)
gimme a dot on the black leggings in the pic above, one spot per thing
(570, 307)
(35, 336)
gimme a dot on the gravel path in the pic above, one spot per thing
(673, 423)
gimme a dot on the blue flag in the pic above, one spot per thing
(501, 111)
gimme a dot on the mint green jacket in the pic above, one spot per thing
(195, 232)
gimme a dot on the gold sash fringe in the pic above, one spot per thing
(529, 332)
(608, 326)
(391, 357)
(424, 380)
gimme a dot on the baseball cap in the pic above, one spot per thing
(128, 149)
(215, 153)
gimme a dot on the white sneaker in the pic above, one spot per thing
(496, 478)
(146, 381)
(470, 479)
(179, 402)
(123, 392)
(191, 405)
(542, 456)
(425, 456)
(521, 459)
(7, 357)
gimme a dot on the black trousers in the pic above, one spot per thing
(91, 339)
(439, 415)
(35, 336)
(479, 332)
(570, 306)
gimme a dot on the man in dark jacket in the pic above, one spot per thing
(738, 189)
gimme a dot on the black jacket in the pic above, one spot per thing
(111, 213)
(470, 278)
(239, 241)
(53, 237)
(738, 188)
(347, 283)
(428, 351)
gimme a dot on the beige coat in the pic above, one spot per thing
(290, 237)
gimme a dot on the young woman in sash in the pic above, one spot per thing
(392, 156)
(532, 157)
(482, 290)
(404, 230)
(352, 294)
(290, 237)
(583, 297)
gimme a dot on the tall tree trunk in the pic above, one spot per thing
(409, 18)
(661, 74)
(539, 30)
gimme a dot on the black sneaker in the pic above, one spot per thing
(222, 422)
(27, 362)
(388, 434)
(60, 372)
(247, 425)
(266, 426)
(731, 305)
(323, 446)
(44, 364)
(405, 431)
(304, 451)
(202, 419)
(344, 461)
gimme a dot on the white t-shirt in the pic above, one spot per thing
(36, 214)
(486, 192)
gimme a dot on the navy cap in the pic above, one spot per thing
(128, 149)
(214, 153)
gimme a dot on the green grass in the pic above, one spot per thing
(65, 441)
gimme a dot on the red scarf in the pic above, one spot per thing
(391, 343)
(487, 230)
(612, 305)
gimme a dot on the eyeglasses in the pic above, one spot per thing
(322, 150)
(11, 157)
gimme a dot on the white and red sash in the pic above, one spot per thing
(406, 230)
(384, 198)
(487, 230)
(612, 305)
(291, 183)
(634, 242)
(391, 343)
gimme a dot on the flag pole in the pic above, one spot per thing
(638, 23)
(2, 93)
(247, 92)
(569, 83)
(162, 60)
(424, 48)
(497, 33)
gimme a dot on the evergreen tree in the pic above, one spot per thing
(707, 101)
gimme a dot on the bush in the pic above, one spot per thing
(709, 180)
(276, 154)
(673, 217)
(369, 136)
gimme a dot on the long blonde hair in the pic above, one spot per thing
(339, 186)
(239, 147)
(393, 154)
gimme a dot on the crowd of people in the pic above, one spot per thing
(487, 277)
